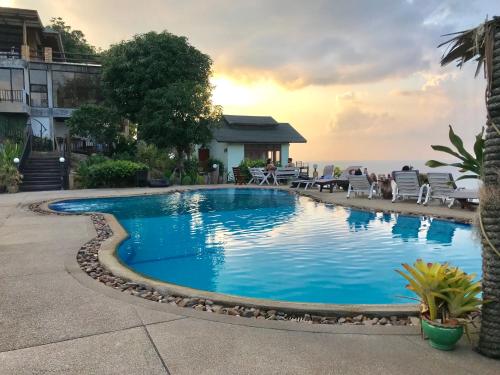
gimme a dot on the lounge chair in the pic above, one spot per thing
(328, 179)
(343, 180)
(360, 184)
(464, 196)
(442, 186)
(303, 181)
(258, 176)
(407, 185)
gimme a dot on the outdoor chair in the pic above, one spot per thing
(258, 176)
(304, 181)
(328, 179)
(239, 179)
(442, 186)
(360, 184)
(439, 186)
(285, 173)
(407, 185)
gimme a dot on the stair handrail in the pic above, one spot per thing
(28, 144)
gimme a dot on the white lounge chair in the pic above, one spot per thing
(304, 182)
(440, 186)
(258, 176)
(407, 185)
(464, 196)
(360, 184)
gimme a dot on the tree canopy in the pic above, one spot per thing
(99, 123)
(74, 41)
(161, 82)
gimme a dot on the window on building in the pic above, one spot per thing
(38, 88)
(72, 89)
(11, 84)
(263, 152)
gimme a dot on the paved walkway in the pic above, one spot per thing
(56, 319)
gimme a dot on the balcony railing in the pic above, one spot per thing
(12, 96)
(60, 57)
(10, 53)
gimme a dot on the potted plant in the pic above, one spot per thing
(10, 177)
(448, 297)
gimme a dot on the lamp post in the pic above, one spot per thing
(61, 163)
(215, 173)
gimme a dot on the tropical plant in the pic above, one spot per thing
(10, 176)
(8, 151)
(446, 292)
(248, 163)
(483, 45)
(469, 162)
(337, 171)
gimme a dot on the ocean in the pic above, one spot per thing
(387, 166)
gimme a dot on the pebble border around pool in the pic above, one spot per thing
(88, 260)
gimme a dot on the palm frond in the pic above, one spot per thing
(473, 44)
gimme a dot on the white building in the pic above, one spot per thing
(252, 137)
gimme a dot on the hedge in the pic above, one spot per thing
(114, 173)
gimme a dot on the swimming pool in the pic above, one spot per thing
(264, 243)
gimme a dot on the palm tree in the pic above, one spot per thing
(483, 44)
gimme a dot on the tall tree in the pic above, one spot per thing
(483, 44)
(101, 124)
(74, 41)
(161, 82)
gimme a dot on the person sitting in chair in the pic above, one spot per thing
(290, 163)
(270, 167)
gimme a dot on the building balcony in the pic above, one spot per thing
(14, 101)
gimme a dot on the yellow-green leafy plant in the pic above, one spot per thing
(444, 291)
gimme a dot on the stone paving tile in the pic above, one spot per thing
(150, 316)
(124, 352)
(193, 346)
(44, 308)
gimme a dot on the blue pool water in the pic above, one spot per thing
(275, 245)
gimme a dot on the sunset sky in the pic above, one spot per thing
(359, 79)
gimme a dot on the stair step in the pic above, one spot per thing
(39, 187)
(41, 180)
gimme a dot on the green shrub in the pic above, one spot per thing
(113, 173)
(200, 180)
(191, 167)
(247, 163)
(157, 160)
(186, 180)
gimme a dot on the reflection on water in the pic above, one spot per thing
(406, 227)
(272, 244)
(441, 232)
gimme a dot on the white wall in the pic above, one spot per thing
(235, 154)
(285, 153)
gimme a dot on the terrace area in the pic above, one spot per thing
(72, 323)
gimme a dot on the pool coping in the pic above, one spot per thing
(107, 257)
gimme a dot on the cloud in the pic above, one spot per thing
(297, 43)
(356, 122)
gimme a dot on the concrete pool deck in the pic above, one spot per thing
(56, 319)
